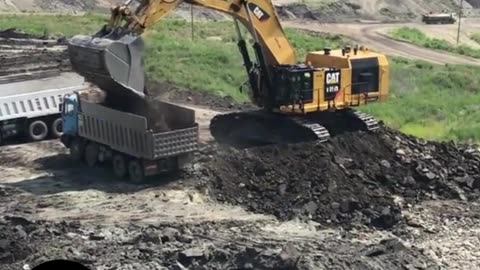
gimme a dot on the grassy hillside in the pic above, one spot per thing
(417, 37)
(431, 101)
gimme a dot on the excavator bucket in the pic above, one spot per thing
(113, 64)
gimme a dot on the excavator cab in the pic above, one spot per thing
(293, 85)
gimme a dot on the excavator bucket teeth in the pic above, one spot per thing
(115, 65)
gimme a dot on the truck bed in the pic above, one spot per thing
(128, 133)
(65, 80)
(36, 98)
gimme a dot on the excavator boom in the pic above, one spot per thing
(112, 58)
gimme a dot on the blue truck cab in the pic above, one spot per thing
(70, 114)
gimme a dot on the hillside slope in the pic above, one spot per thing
(321, 10)
(52, 5)
(383, 10)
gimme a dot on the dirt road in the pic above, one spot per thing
(374, 36)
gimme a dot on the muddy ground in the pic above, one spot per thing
(24, 56)
(360, 201)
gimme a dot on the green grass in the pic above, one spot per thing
(56, 25)
(417, 37)
(475, 37)
(430, 101)
(205, 64)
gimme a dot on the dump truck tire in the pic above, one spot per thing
(91, 154)
(37, 130)
(136, 172)
(56, 129)
(119, 165)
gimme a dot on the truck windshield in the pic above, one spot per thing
(69, 108)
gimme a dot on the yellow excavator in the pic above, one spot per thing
(299, 101)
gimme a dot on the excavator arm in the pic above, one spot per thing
(118, 46)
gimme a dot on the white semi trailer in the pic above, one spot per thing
(30, 108)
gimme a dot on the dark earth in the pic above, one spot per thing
(351, 183)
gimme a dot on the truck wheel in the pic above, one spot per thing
(91, 154)
(76, 150)
(56, 129)
(119, 165)
(37, 130)
(135, 171)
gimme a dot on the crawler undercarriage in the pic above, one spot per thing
(259, 128)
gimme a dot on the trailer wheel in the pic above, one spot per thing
(76, 150)
(119, 165)
(37, 130)
(56, 128)
(91, 154)
(136, 172)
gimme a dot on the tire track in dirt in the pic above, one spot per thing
(370, 35)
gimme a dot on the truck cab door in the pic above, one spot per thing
(70, 115)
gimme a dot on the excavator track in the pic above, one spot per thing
(322, 133)
(258, 128)
(369, 121)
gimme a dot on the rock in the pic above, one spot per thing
(289, 255)
(473, 183)
(400, 152)
(96, 237)
(385, 164)
(187, 256)
(311, 207)
(151, 236)
(4, 244)
(431, 176)
(282, 189)
(131, 240)
(19, 220)
(169, 234)
(21, 232)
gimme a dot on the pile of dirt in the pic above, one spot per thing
(29, 56)
(28, 242)
(353, 179)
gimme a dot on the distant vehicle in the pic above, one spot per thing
(30, 108)
(95, 133)
(439, 18)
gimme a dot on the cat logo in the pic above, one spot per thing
(333, 78)
(332, 84)
(261, 14)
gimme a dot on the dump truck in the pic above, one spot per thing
(96, 132)
(439, 18)
(30, 108)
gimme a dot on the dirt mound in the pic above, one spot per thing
(351, 179)
(25, 56)
(186, 247)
